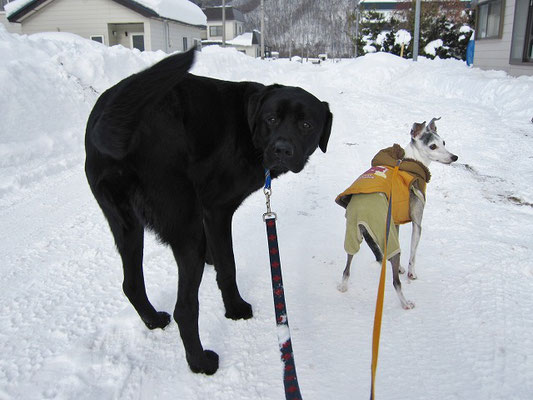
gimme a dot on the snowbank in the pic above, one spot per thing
(67, 331)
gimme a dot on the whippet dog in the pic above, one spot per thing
(425, 146)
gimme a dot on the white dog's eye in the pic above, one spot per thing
(443, 143)
(433, 146)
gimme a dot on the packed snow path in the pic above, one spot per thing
(68, 332)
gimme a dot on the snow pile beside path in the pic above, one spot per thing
(49, 83)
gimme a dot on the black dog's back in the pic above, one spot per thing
(119, 109)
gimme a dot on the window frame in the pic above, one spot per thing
(132, 34)
(488, 4)
(524, 58)
(97, 36)
(528, 40)
(216, 27)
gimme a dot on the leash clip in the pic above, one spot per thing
(268, 192)
(269, 214)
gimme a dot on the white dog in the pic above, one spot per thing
(367, 202)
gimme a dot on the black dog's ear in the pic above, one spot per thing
(254, 103)
(323, 144)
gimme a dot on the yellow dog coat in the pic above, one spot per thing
(378, 180)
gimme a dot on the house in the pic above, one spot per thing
(10, 26)
(168, 25)
(504, 36)
(234, 23)
(248, 43)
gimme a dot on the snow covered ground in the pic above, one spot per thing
(68, 332)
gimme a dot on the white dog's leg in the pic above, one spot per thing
(416, 211)
(343, 286)
(395, 261)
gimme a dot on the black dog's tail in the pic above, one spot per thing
(122, 106)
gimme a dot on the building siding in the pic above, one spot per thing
(101, 17)
(496, 53)
(10, 26)
(82, 17)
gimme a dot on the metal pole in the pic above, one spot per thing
(223, 23)
(356, 28)
(262, 29)
(417, 31)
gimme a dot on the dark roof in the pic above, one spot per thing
(215, 14)
(131, 4)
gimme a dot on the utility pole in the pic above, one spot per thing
(223, 23)
(262, 29)
(417, 31)
(356, 27)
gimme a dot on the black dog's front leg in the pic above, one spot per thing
(218, 230)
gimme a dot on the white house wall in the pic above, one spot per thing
(496, 53)
(168, 35)
(83, 17)
(10, 26)
(230, 29)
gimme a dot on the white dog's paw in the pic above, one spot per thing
(343, 287)
(412, 276)
(408, 305)
(401, 270)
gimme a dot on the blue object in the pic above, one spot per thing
(470, 51)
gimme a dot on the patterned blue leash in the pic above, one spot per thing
(290, 380)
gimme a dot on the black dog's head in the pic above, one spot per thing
(288, 124)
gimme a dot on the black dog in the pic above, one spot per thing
(177, 154)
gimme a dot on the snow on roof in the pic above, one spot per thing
(242, 40)
(178, 10)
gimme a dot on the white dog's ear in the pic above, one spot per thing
(432, 125)
(417, 129)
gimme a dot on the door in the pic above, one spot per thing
(137, 41)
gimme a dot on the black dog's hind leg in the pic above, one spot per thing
(189, 251)
(219, 237)
(129, 239)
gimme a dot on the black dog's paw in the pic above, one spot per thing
(207, 364)
(161, 321)
(239, 310)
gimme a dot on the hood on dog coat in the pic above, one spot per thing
(378, 180)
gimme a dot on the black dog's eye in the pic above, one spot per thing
(272, 120)
(306, 125)
(433, 146)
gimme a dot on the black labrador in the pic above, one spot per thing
(177, 153)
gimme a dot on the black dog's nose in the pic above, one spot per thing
(283, 149)
(455, 158)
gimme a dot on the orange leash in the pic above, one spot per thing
(381, 293)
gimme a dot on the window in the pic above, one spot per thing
(185, 44)
(215, 30)
(98, 38)
(137, 41)
(490, 18)
(528, 49)
(522, 39)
